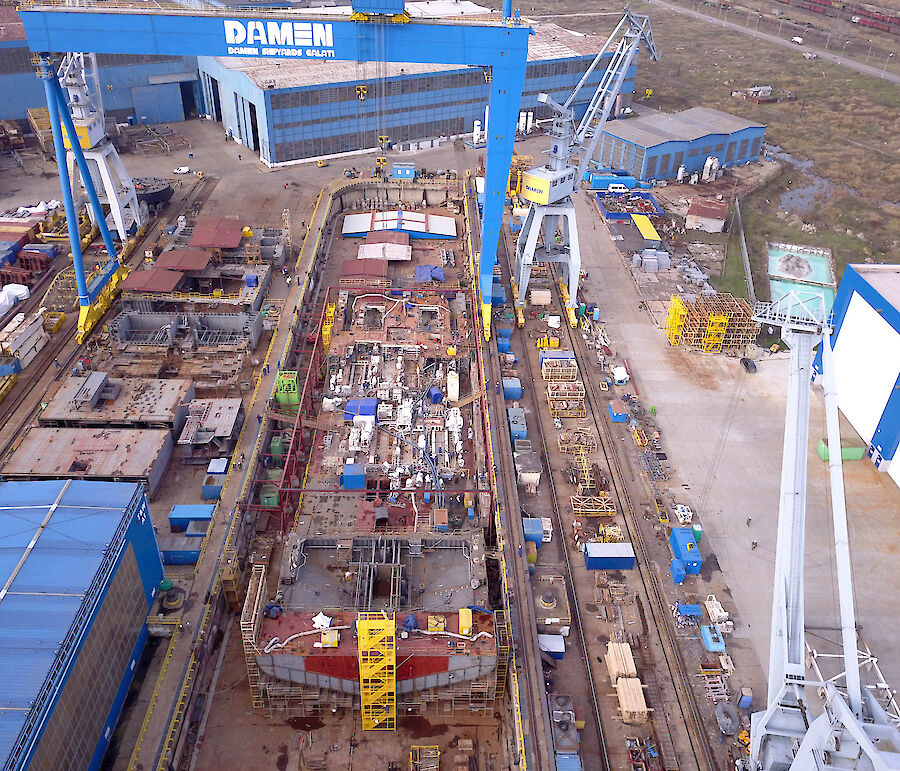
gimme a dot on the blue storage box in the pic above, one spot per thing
(211, 489)
(554, 353)
(676, 570)
(252, 280)
(434, 395)
(614, 415)
(503, 346)
(685, 548)
(183, 514)
(353, 477)
(534, 530)
(566, 761)
(9, 365)
(504, 333)
(196, 529)
(179, 549)
(608, 556)
(518, 428)
(512, 388)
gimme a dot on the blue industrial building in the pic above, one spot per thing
(291, 110)
(655, 146)
(142, 89)
(80, 568)
(867, 319)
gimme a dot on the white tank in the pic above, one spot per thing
(529, 122)
(476, 132)
(681, 173)
(452, 386)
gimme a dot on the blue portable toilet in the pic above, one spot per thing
(685, 548)
(676, 570)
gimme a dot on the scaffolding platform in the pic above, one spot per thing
(712, 324)
(566, 399)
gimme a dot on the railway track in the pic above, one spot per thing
(594, 750)
(674, 662)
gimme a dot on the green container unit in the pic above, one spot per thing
(697, 530)
(268, 495)
(848, 451)
(274, 474)
(276, 447)
(287, 391)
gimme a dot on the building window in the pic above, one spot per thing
(719, 148)
(651, 167)
(693, 152)
(707, 150)
(732, 146)
(679, 158)
(742, 151)
(754, 148)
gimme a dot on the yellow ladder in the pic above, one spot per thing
(328, 326)
(715, 333)
(378, 670)
(675, 320)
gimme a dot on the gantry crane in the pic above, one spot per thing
(551, 216)
(378, 30)
(853, 730)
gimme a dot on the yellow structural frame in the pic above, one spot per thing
(377, 634)
(328, 326)
(675, 320)
(715, 333)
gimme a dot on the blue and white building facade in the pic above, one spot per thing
(136, 89)
(866, 345)
(289, 111)
(656, 145)
(81, 567)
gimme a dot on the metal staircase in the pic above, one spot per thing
(378, 670)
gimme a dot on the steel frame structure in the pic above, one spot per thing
(853, 730)
(369, 35)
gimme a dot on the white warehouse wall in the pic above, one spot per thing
(867, 364)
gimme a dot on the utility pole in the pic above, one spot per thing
(870, 52)
(886, 59)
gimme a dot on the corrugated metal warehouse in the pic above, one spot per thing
(301, 109)
(866, 319)
(654, 146)
(81, 569)
(149, 89)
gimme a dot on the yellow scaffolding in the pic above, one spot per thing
(378, 670)
(675, 320)
(715, 333)
(329, 325)
(427, 758)
(600, 505)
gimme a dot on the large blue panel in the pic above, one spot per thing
(887, 434)
(157, 104)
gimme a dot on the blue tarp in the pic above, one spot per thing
(689, 610)
(426, 273)
(360, 407)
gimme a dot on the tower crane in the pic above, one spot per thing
(853, 730)
(551, 217)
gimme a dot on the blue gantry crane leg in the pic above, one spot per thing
(93, 300)
(278, 35)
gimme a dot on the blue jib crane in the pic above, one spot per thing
(378, 29)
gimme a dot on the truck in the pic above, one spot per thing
(797, 39)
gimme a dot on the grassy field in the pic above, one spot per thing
(842, 121)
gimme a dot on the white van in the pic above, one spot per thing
(797, 40)
(616, 187)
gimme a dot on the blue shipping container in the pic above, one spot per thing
(615, 416)
(567, 762)
(183, 514)
(179, 549)
(608, 556)
(212, 487)
(356, 407)
(554, 644)
(354, 477)
(676, 570)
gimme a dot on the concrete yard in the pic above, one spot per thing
(723, 431)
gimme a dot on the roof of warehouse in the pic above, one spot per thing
(152, 280)
(183, 259)
(60, 531)
(217, 232)
(885, 279)
(550, 41)
(11, 27)
(684, 126)
(87, 452)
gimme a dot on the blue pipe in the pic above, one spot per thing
(48, 75)
(86, 179)
(507, 9)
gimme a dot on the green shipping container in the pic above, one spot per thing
(848, 451)
(697, 530)
(287, 392)
(276, 446)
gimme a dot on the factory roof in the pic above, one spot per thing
(209, 418)
(140, 400)
(152, 280)
(121, 453)
(183, 259)
(217, 232)
(684, 126)
(11, 27)
(53, 539)
(549, 42)
(885, 279)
